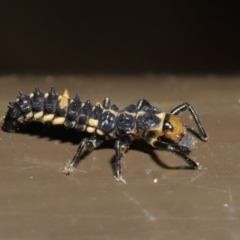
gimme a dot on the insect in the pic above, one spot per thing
(104, 121)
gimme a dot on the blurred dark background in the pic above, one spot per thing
(120, 37)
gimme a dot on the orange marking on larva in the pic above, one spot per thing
(58, 121)
(64, 99)
(29, 115)
(38, 115)
(99, 103)
(90, 129)
(178, 129)
(100, 132)
(66, 93)
(93, 122)
(48, 118)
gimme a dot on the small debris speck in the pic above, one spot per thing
(155, 180)
(147, 171)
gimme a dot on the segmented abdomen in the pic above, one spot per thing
(101, 119)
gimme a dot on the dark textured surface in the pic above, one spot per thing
(38, 202)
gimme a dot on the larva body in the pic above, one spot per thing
(105, 121)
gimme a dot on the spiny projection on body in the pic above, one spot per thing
(105, 121)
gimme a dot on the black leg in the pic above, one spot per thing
(186, 106)
(117, 162)
(120, 147)
(178, 150)
(142, 103)
(87, 144)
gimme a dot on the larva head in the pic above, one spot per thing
(173, 128)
